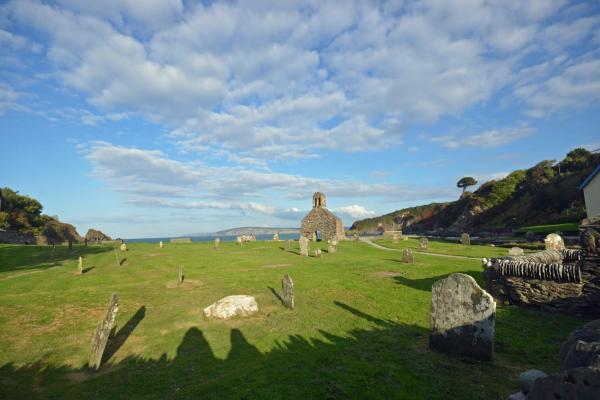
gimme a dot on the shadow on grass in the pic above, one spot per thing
(115, 342)
(276, 294)
(384, 359)
(86, 270)
(23, 257)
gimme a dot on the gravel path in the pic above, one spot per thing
(367, 240)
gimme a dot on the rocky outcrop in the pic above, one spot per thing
(96, 236)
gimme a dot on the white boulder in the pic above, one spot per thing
(232, 306)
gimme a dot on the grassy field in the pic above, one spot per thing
(571, 227)
(449, 248)
(359, 330)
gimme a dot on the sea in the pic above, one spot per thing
(210, 238)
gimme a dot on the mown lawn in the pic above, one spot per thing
(444, 247)
(359, 330)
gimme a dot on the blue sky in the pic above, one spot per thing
(159, 118)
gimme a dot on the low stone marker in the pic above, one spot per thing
(423, 243)
(80, 269)
(407, 256)
(554, 242)
(287, 288)
(123, 247)
(465, 239)
(180, 275)
(331, 249)
(276, 237)
(238, 241)
(318, 253)
(395, 238)
(217, 243)
(304, 245)
(160, 244)
(463, 318)
(102, 332)
(356, 236)
(516, 251)
(232, 306)
(287, 245)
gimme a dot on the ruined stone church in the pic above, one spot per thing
(320, 223)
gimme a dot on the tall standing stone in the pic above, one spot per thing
(463, 318)
(356, 236)
(160, 244)
(180, 275)
(423, 243)
(554, 242)
(465, 239)
(304, 245)
(287, 288)
(123, 247)
(80, 266)
(217, 243)
(102, 332)
(407, 256)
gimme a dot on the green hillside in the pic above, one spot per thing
(546, 193)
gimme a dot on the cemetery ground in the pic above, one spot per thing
(359, 328)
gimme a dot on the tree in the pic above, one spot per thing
(466, 182)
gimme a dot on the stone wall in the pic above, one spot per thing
(322, 220)
(554, 289)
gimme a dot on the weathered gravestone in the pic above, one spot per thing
(395, 238)
(238, 240)
(123, 247)
(465, 239)
(463, 318)
(217, 243)
(554, 242)
(102, 332)
(232, 306)
(516, 252)
(276, 237)
(160, 244)
(80, 269)
(287, 287)
(304, 245)
(423, 243)
(180, 275)
(331, 248)
(407, 256)
(356, 236)
(318, 253)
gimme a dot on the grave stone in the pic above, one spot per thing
(160, 244)
(423, 243)
(276, 237)
(238, 240)
(516, 251)
(465, 239)
(287, 287)
(304, 245)
(356, 236)
(318, 253)
(407, 256)
(462, 318)
(123, 247)
(80, 269)
(554, 242)
(232, 306)
(102, 332)
(180, 275)
(217, 243)
(395, 238)
(331, 248)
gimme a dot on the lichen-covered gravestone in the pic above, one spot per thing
(232, 306)
(287, 287)
(465, 239)
(304, 245)
(516, 252)
(180, 276)
(356, 236)
(554, 242)
(331, 248)
(423, 243)
(217, 243)
(318, 253)
(463, 318)
(102, 332)
(80, 268)
(238, 240)
(407, 256)
(123, 247)
(160, 244)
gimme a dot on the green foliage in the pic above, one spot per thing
(576, 159)
(4, 223)
(504, 189)
(466, 182)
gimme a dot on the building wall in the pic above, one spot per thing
(322, 220)
(592, 197)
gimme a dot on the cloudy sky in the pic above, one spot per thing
(155, 118)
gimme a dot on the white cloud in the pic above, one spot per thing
(355, 211)
(254, 81)
(488, 139)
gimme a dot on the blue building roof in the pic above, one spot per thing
(589, 178)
